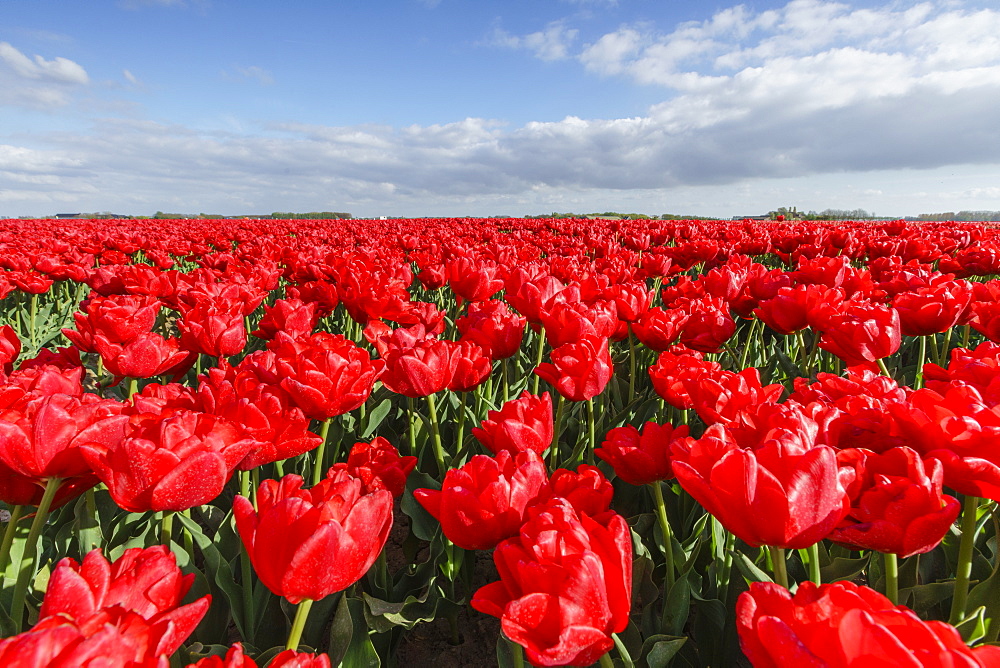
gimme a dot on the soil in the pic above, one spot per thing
(430, 644)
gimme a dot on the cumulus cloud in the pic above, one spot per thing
(551, 43)
(34, 82)
(251, 73)
(811, 88)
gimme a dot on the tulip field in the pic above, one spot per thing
(237, 443)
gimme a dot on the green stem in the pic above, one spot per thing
(964, 569)
(246, 569)
(413, 426)
(918, 381)
(31, 325)
(606, 661)
(517, 654)
(749, 340)
(891, 577)
(803, 354)
(8, 536)
(538, 357)
(317, 472)
(883, 368)
(436, 431)
(778, 563)
(460, 436)
(167, 527)
(813, 552)
(299, 624)
(556, 428)
(505, 379)
(591, 431)
(668, 539)
(26, 569)
(631, 364)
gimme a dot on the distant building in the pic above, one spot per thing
(68, 215)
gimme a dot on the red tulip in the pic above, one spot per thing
(473, 279)
(979, 368)
(263, 412)
(379, 466)
(210, 328)
(293, 659)
(43, 438)
(860, 333)
(292, 316)
(932, 309)
(493, 326)
(521, 424)
(709, 325)
(310, 543)
(146, 582)
(643, 457)
(170, 463)
(791, 308)
(568, 322)
(562, 599)
(781, 488)
(422, 370)
(325, 374)
(844, 624)
(146, 356)
(586, 489)
(675, 371)
(958, 429)
(119, 318)
(484, 501)
(579, 371)
(659, 328)
(235, 658)
(113, 638)
(10, 348)
(897, 503)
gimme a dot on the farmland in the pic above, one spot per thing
(632, 442)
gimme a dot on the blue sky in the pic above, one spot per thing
(477, 107)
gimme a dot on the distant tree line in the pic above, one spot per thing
(312, 215)
(617, 214)
(992, 216)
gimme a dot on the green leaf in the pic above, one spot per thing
(423, 524)
(360, 652)
(505, 652)
(926, 596)
(658, 650)
(219, 572)
(844, 569)
(383, 615)
(374, 417)
(341, 633)
(678, 606)
(973, 627)
(987, 596)
(749, 569)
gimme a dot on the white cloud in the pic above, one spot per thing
(57, 70)
(813, 89)
(552, 43)
(35, 82)
(252, 73)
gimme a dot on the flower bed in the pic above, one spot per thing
(636, 442)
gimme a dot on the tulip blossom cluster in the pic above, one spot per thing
(829, 389)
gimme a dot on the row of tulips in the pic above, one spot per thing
(735, 417)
